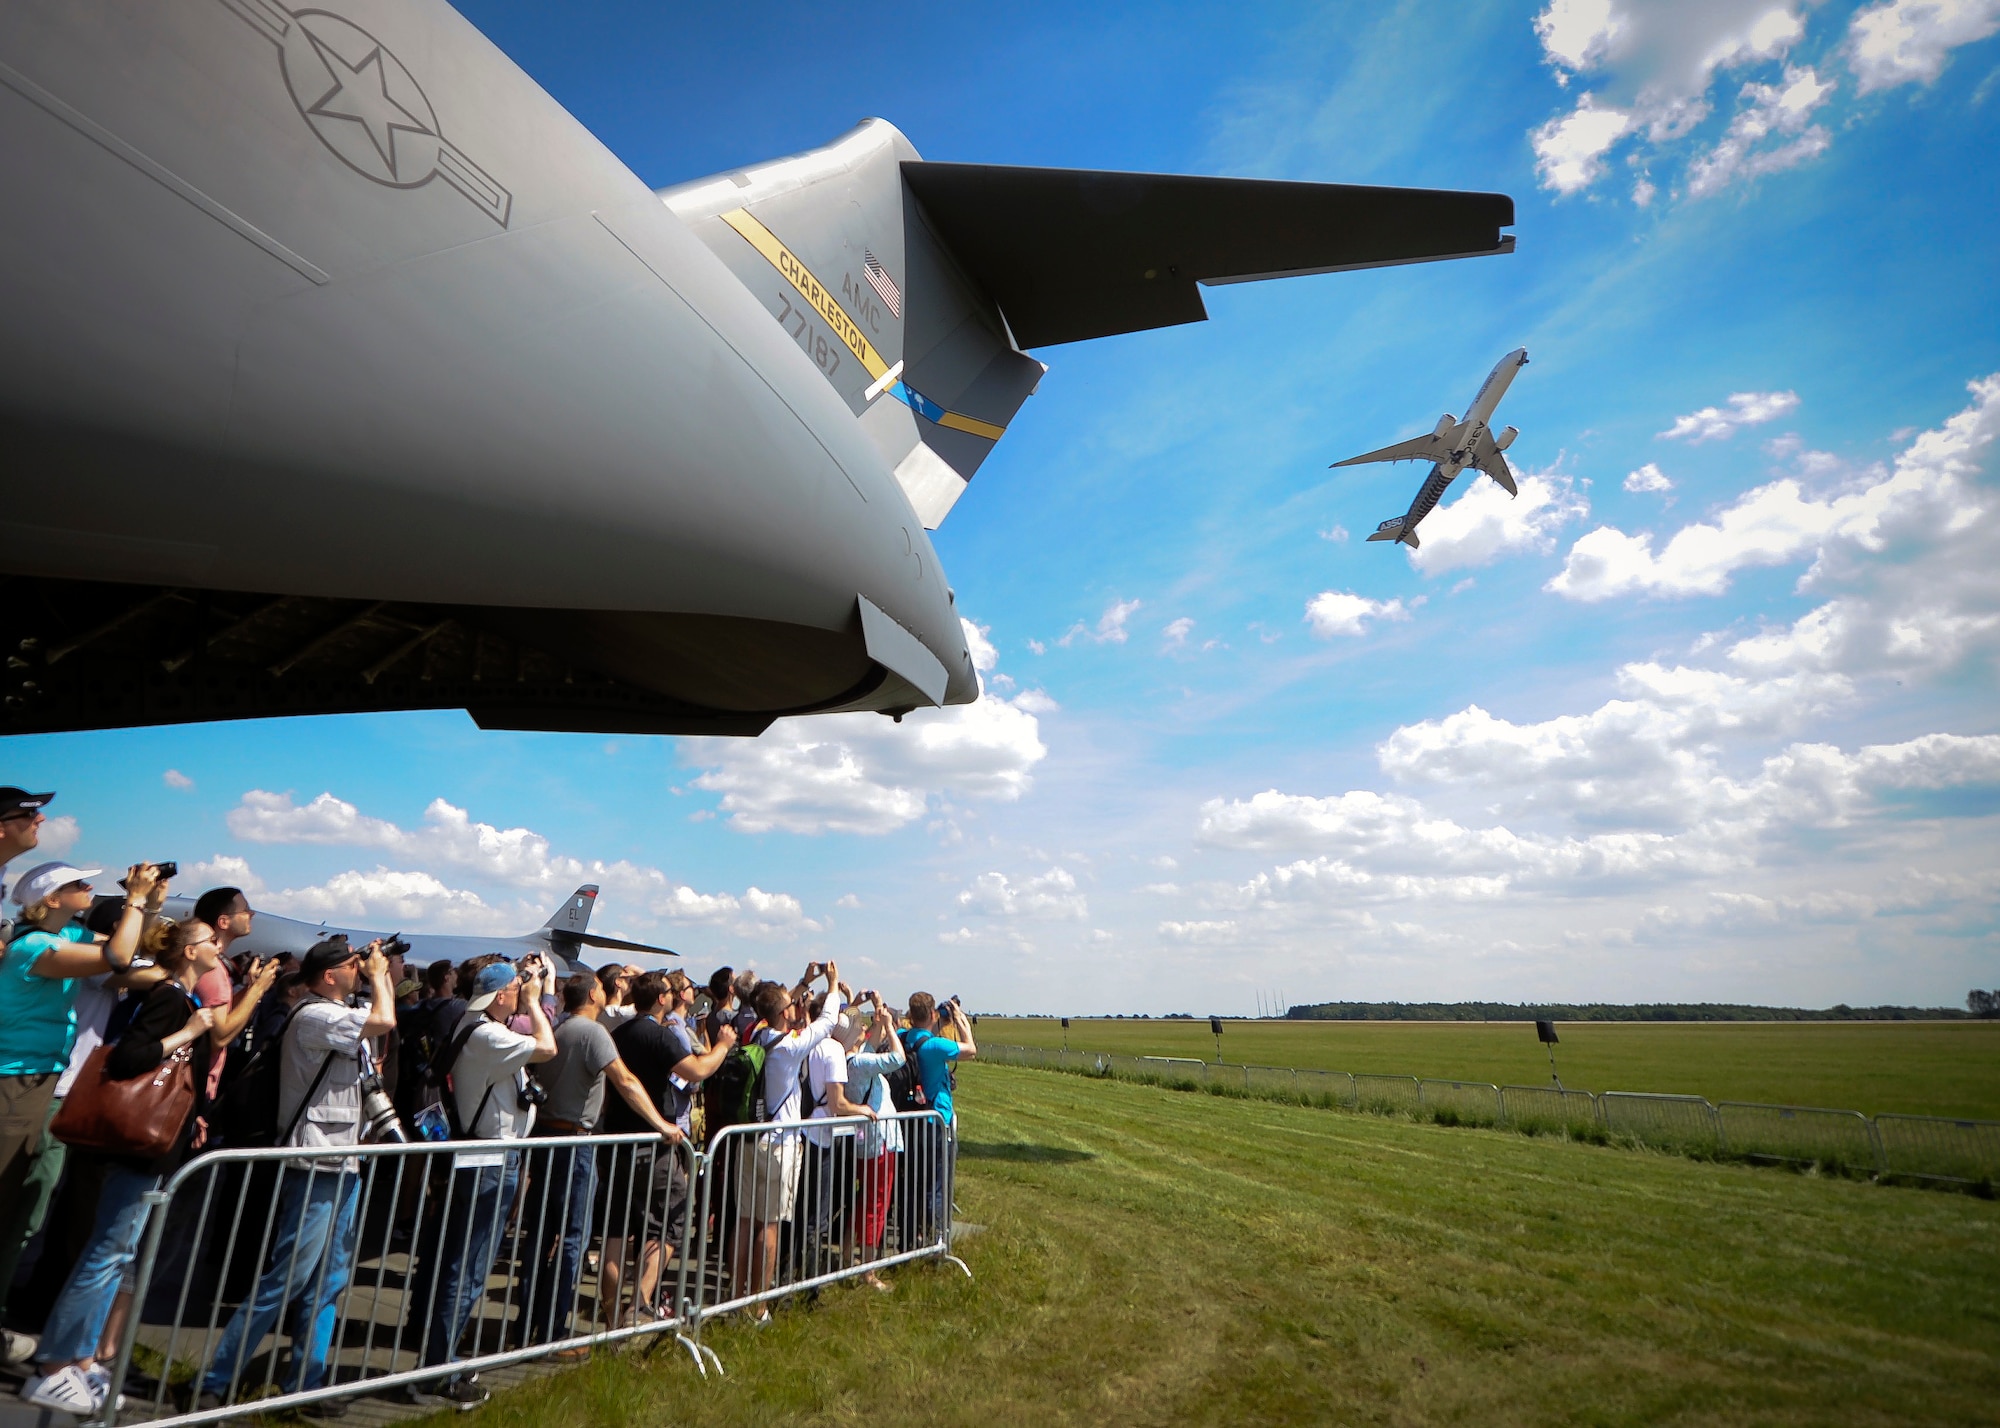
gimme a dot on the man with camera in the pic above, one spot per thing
(325, 1079)
(491, 1098)
(935, 1049)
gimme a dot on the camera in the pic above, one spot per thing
(164, 872)
(379, 1122)
(530, 1093)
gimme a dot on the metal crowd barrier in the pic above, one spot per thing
(471, 1255)
(1935, 1148)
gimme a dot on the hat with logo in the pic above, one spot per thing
(44, 878)
(494, 978)
(19, 800)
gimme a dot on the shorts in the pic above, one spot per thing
(767, 1178)
(641, 1193)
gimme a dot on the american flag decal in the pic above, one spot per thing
(884, 285)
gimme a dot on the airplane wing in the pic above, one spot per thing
(1489, 460)
(1428, 447)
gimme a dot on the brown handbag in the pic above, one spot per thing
(140, 1117)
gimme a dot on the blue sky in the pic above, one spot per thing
(1707, 714)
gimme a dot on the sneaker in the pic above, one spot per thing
(65, 1390)
(324, 1410)
(464, 1394)
(17, 1348)
(99, 1379)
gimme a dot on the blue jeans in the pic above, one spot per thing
(480, 1200)
(77, 1321)
(562, 1189)
(311, 1262)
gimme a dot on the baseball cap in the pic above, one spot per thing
(494, 978)
(408, 985)
(325, 956)
(44, 878)
(19, 800)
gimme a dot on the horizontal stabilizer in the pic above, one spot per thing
(1392, 529)
(568, 944)
(1071, 254)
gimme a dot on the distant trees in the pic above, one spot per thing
(1983, 1003)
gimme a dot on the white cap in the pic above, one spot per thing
(39, 881)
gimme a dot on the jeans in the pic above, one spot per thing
(562, 1187)
(77, 1321)
(311, 1262)
(480, 1200)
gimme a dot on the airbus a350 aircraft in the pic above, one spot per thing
(341, 369)
(1452, 446)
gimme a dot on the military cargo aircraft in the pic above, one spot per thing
(341, 369)
(1451, 446)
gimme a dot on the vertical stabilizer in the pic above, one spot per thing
(573, 917)
(839, 250)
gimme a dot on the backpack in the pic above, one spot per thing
(736, 1090)
(906, 1086)
(247, 1113)
(438, 1077)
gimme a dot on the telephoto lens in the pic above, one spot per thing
(379, 1122)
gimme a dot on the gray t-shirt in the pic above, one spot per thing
(333, 1117)
(492, 1060)
(575, 1078)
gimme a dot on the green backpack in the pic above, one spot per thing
(737, 1087)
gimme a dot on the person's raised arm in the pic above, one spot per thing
(87, 959)
(704, 1064)
(382, 1010)
(634, 1091)
(961, 1026)
(230, 1024)
(538, 1021)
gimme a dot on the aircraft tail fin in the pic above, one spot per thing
(837, 246)
(1392, 529)
(573, 917)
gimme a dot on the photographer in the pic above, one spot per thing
(491, 1099)
(935, 1054)
(322, 1067)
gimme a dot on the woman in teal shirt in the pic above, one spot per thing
(39, 973)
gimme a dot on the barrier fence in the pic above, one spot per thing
(273, 1279)
(1933, 1148)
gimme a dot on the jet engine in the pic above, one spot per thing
(1445, 424)
(1506, 438)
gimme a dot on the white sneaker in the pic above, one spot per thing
(99, 1379)
(17, 1348)
(65, 1390)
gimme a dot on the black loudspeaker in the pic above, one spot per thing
(1545, 1031)
(1065, 1023)
(1215, 1025)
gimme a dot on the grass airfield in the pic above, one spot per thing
(1160, 1258)
(1933, 1068)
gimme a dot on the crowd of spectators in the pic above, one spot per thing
(133, 1042)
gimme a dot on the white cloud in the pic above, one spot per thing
(1176, 632)
(847, 902)
(1780, 522)
(1206, 933)
(1486, 523)
(1655, 62)
(174, 778)
(862, 773)
(1782, 112)
(1052, 894)
(1341, 612)
(515, 857)
(1648, 478)
(1110, 625)
(58, 835)
(1744, 409)
(1909, 41)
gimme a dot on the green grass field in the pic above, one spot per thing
(1160, 1258)
(1942, 1068)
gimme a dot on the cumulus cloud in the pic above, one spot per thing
(1743, 409)
(1570, 148)
(1342, 612)
(1648, 478)
(1909, 41)
(515, 857)
(862, 773)
(1781, 522)
(1486, 523)
(1176, 633)
(1110, 628)
(1052, 894)
(174, 778)
(1771, 132)
(57, 838)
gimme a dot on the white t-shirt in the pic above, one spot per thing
(826, 1067)
(616, 1016)
(93, 1004)
(321, 1028)
(493, 1058)
(782, 1059)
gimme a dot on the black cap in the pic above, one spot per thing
(325, 956)
(19, 800)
